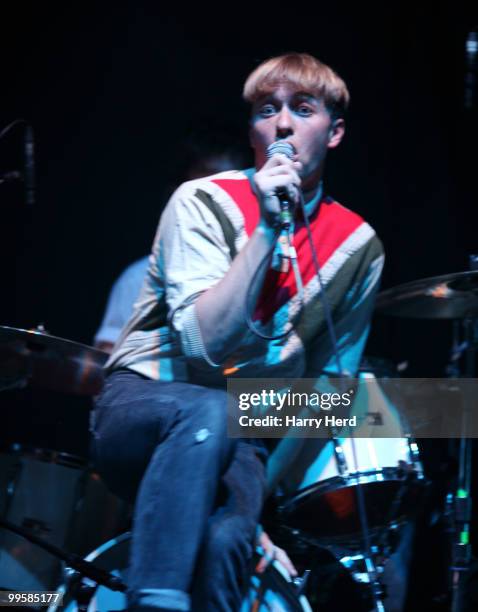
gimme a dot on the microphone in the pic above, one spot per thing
(286, 206)
(29, 173)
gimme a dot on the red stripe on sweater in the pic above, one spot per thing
(242, 194)
(331, 224)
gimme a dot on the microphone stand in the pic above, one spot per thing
(462, 507)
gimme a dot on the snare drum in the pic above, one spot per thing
(321, 497)
(270, 591)
(56, 497)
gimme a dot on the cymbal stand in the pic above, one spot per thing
(461, 548)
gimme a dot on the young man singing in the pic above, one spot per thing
(160, 424)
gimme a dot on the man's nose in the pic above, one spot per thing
(285, 124)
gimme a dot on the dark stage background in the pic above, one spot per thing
(111, 90)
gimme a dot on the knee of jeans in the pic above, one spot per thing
(208, 414)
(217, 415)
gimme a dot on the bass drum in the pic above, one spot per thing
(271, 591)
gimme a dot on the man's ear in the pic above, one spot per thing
(336, 133)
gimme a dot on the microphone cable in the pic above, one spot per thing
(322, 296)
(285, 148)
(292, 257)
(300, 289)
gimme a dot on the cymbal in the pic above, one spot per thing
(452, 296)
(33, 356)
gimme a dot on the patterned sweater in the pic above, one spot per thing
(205, 224)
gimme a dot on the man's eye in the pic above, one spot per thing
(267, 110)
(304, 110)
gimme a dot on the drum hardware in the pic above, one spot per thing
(271, 590)
(84, 568)
(345, 473)
(300, 582)
(356, 566)
(330, 513)
(291, 592)
(327, 511)
(462, 508)
(367, 575)
(371, 568)
(453, 296)
(36, 357)
(387, 536)
(339, 456)
(56, 496)
(359, 568)
(328, 586)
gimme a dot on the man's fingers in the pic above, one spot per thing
(278, 159)
(276, 183)
(284, 560)
(279, 173)
(284, 171)
(274, 553)
(263, 563)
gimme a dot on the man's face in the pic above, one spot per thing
(300, 119)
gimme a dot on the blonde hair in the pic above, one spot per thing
(304, 72)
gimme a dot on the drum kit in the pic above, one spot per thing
(352, 499)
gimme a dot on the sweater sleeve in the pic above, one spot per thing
(192, 255)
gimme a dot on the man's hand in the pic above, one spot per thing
(279, 172)
(273, 553)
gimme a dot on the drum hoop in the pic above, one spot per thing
(337, 483)
(94, 554)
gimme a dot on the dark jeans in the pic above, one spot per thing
(198, 493)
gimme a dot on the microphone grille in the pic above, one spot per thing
(280, 146)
